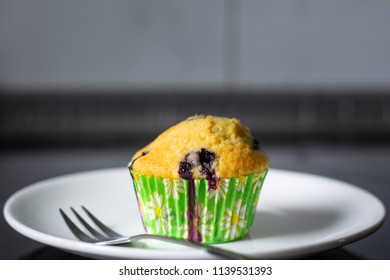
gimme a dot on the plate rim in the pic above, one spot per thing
(74, 246)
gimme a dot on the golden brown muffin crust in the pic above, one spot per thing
(236, 151)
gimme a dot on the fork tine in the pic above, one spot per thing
(75, 230)
(102, 226)
(95, 233)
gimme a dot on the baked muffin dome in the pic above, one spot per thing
(202, 147)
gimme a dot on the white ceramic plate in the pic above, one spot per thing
(298, 214)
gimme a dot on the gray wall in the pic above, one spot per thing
(194, 44)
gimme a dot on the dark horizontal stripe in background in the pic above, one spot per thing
(110, 117)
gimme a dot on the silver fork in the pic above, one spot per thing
(111, 237)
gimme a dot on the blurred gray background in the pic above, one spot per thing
(119, 70)
(83, 84)
(198, 44)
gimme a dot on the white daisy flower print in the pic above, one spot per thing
(241, 183)
(159, 212)
(234, 220)
(184, 227)
(204, 227)
(253, 211)
(257, 181)
(204, 218)
(221, 191)
(174, 187)
(138, 184)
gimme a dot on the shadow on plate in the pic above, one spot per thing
(50, 253)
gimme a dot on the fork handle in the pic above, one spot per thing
(207, 248)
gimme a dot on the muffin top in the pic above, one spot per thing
(202, 147)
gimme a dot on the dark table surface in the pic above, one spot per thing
(366, 166)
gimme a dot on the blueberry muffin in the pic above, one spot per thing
(200, 180)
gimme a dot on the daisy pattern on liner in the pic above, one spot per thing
(174, 187)
(257, 182)
(234, 220)
(221, 191)
(241, 183)
(138, 183)
(204, 217)
(159, 212)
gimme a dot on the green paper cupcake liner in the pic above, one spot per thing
(193, 211)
